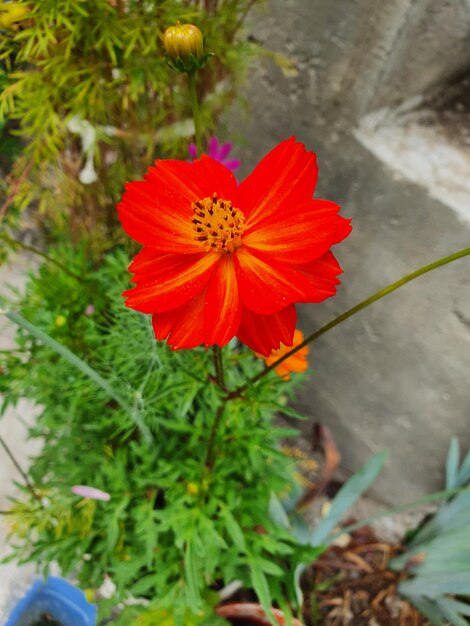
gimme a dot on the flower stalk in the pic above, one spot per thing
(359, 307)
(219, 367)
(210, 454)
(195, 110)
(24, 476)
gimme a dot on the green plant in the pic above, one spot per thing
(175, 524)
(121, 412)
(95, 100)
(438, 553)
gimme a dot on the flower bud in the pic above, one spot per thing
(12, 13)
(184, 45)
(60, 320)
(192, 489)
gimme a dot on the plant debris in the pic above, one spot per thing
(351, 586)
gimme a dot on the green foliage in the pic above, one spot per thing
(284, 512)
(176, 524)
(143, 616)
(349, 493)
(97, 66)
(438, 554)
(10, 146)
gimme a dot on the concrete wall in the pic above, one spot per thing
(397, 374)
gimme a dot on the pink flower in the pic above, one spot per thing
(218, 152)
(89, 310)
(90, 492)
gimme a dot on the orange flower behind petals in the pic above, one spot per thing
(295, 363)
(220, 259)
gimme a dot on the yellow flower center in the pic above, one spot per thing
(218, 224)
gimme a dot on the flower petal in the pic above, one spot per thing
(182, 327)
(223, 310)
(264, 333)
(175, 181)
(157, 211)
(322, 275)
(214, 177)
(213, 148)
(163, 323)
(286, 177)
(267, 287)
(302, 236)
(165, 281)
(90, 492)
(211, 317)
(224, 150)
(232, 165)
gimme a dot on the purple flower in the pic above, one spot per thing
(90, 492)
(89, 310)
(218, 152)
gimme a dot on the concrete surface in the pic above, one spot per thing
(396, 375)
(14, 580)
(427, 141)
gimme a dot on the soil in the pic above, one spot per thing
(46, 620)
(351, 586)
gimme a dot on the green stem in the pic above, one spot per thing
(28, 484)
(220, 378)
(209, 462)
(219, 367)
(195, 108)
(358, 307)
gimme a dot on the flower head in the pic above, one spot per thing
(90, 492)
(218, 152)
(192, 489)
(295, 363)
(60, 321)
(12, 12)
(223, 260)
(184, 45)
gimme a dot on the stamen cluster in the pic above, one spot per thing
(218, 224)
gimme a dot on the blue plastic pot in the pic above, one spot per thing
(57, 598)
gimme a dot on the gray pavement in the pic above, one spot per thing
(14, 580)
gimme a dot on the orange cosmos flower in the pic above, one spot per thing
(295, 363)
(223, 260)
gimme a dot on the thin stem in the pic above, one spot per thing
(219, 367)
(220, 378)
(14, 189)
(28, 484)
(355, 309)
(38, 252)
(196, 113)
(209, 462)
(242, 17)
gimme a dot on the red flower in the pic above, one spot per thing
(222, 260)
